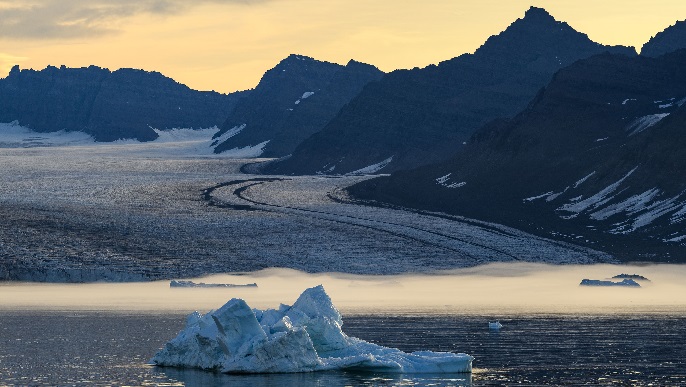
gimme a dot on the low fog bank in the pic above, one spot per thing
(494, 289)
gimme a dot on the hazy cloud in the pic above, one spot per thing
(7, 61)
(59, 19)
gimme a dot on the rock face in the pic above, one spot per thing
(596, 159)
(421, 116)
(304, 337)
(293, 100)
(107, 105)
(671, 39)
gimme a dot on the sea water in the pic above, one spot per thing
(113, 348)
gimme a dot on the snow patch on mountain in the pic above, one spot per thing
(629, 206)
(595, 201)
(675, 239)
(246, 152)
(552, 195)
(651, 213)
(583, 179)
(370, 169)
(445, 182)
(634, 212)
(228, 134)
(642, 123)
(679, 215)
(305, 95)
(541, 196)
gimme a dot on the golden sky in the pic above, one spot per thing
(227, 45)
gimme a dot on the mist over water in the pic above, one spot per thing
(494, 289)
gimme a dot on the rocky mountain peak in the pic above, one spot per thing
(671, 39)
(536, 14)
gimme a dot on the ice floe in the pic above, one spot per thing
(304, 337)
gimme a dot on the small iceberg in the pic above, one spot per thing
(495, 325)
(625, 283)
(304, 337)
(191, 284)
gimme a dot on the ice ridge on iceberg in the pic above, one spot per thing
(304, 337)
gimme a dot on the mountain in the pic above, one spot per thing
(109, 105)
(671, 39)
(415, 117)
(293, 100)
(598, 158)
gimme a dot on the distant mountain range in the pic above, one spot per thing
(109, 105)
(293, 100)
(598, 158)
(321, 117)
(540, 128)
(415, 117)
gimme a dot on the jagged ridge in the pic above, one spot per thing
(109, 105)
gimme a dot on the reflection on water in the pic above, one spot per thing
(323, 379)
(96, 348)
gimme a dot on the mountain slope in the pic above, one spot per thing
(293, 100)
(671, 39)
(108, 105)
(419, 116)
(597, 158)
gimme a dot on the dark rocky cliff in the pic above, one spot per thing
(107, 105)
(421, 116)
(598, 158)
(295, 99)
(671, 39)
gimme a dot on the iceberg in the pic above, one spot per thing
(191, 284)
(635, 277)
(627, 282)
(305, 337)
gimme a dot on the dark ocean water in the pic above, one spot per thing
(112, 348)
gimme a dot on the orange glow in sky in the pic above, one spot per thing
(227, 45)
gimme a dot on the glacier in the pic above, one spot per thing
(305, 337)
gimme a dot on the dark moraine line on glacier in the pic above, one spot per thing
(240, 193)
(212, 201)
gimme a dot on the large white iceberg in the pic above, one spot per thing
(304, 337)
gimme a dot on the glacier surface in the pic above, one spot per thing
(304, 337)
